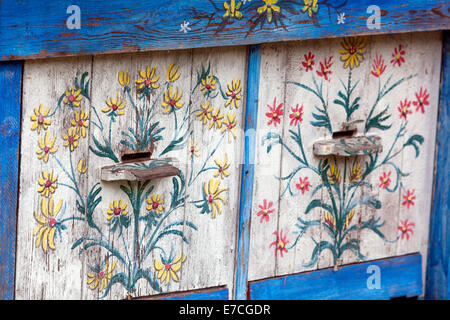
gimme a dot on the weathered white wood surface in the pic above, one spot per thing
(206, 257)
(282, 64)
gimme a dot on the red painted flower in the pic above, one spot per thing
(385, 180)
(422, 100)
(325, 68)
(406, 228)
(280, 243)
(303, 185)
(309, 61)
(404, 108)
(265, 210)
(378, 66)
(397, 56)
(296, 115)
(409, 198)
(275, 113)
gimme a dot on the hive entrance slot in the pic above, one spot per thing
(343, 134)
(135, 157)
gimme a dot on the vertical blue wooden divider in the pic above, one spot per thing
(10, 94)
(437, 280)
(245, 201)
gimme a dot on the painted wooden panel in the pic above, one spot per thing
(438, 273)
(10, 95)
(31, 29)
(81, 237)
(397, 277)
(312, 212)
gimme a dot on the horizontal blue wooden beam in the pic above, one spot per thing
(438, 266)
(37, 29)
(218, 293)
(398, 277)
(10, 94)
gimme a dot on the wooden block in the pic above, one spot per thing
(140, 171)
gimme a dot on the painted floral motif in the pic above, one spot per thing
(148, 80)
(216, 119)
(404, 109)
(172, 73)
(233, 92)
(167, 269)
(378, 66)
(71, 139)
(47, 183)
(268, 7)
(409, 198)
(309, 62)
(212, 200)
(155, 203)
(124, 78)
(334, 174)
(39, 119)
(355, 174)
(353, 51)
(193, 149)
(116, 209)
(280, 243)
(99, 277)
(46, 147)
(222, 168)
(204, 114)
(208, 85)
(296, 116)
(232, 9)
(265, 210)
(329, 220)
(229, 126)
(114, 107)
(82, 166)
(325, 68)
(274, 113)
(172, 100)
(303, 185)
(422, 100)
(47, 224)
(73, 97)
(310, 6)
(406, 228)
(385, 180)
(397, 56)
(80, 122)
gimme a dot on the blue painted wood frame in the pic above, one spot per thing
(31, 29)
(216, 294)
(438, 267)
(247, 173)
(399, 277)
(10, 97)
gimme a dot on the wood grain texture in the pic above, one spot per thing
(10, 95)
(438, 268)
(400, 277)
(32, 30)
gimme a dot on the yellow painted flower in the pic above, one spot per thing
(73, 97)
(124, 78)
(172, 73)
(193, 149)
(311, 6)
(355, 174)
(116, 208)
(167, 269)
(208, 85)
(268, 7)
(231, 10)
(46, 146)
(329, 219)
(114, 106)
(155, 203)
(39, 119)
(205, 114)
(229, 125)
(148, 79)
(47, 183)
(222, 168)
(348, 218)
(101, 278)
(82, 167)
(45, 230)
(216, 119)
(212, 193)
(80, 122)
(234, 89)
(334, 174)
(353, 50)
(172, 99)
(71, 139)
